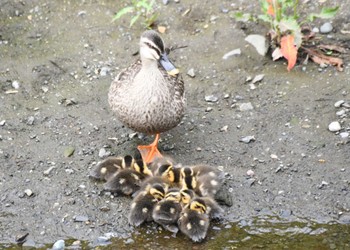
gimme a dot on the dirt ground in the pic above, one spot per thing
(57, 60)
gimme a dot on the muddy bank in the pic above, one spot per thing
(63, 57)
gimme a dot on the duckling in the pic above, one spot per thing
(143, 204)
(213, 209)
(194, 221)
(170, 173)
(188, 179)
(208, 180)
(141, 167)
(126, 182)
(111, 165)
(167, 211)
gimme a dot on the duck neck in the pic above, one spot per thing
(149, 64)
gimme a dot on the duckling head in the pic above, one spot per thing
(166, 171)
(186, 196)
(157, 191)
(188, 178)
(128, 161)
(198, 205)
(141, 167)
(173, 195)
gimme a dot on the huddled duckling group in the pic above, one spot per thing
(174, 196)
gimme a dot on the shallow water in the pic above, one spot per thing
(260, 233)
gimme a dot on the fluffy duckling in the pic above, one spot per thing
(188, 179)
(105, 169)
(143, 204)
(208, 180)
(126, 182)
(167, 211)
(194, 221)
(212, 207)
(165, 168)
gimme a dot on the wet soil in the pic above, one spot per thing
(64, 55)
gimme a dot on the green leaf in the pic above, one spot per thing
(265, 18)
(243, 17)
(324, 14)
(122, 12)
(289, 24)
(134, 19)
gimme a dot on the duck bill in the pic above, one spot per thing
(167, 65)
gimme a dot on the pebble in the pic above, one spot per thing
(15, 84)
(211, 98)
(29, 244)
(344, 135)
(80, 218)
(30, 120)
(245, 106)
(129, 241)
(326, 28)
(28, 192)
(104, 71)
(165, 2)
(258, 78)
(338, 103)
(341, 112)
(250, 173)
(48, 171)
(224, 128)
(247, 139)
(231, 53)
(103, 153)
(69, 151)
(191, 73)
(316, 30)
(59, 245)
(208, 109)
(2, 123)
(334, 126)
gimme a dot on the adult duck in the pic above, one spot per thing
(148, 96)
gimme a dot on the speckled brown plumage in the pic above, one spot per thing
(147, 99)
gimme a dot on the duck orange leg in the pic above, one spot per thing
(150, 152)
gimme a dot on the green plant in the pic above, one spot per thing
(139, 9)
(285, 26)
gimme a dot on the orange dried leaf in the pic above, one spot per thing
(289, 50)
(270, 9)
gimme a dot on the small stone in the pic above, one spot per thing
(341, 112)
(81, 218)
(326, 28)
(247, 139)
(226, 96)
(344, 135)
(250, 173)
(231, 53)
(2, 123)
(28, 192)
(48, 171)
(103, 153)
(208, 109)
(15, 84)
(334, 126)
(258, 78)
(45, 89)
(165, 2)
(211, 98)
(30, 120)
(104, 71)
(316, 30)
(76, 243)
(245, 106)
(273, 156)
(59, 245)
(69, 151)
(224, 128)
(191, 73)
(29, 244)
(129, 241)
(338, 103)
(199, 149)
(21, 238)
